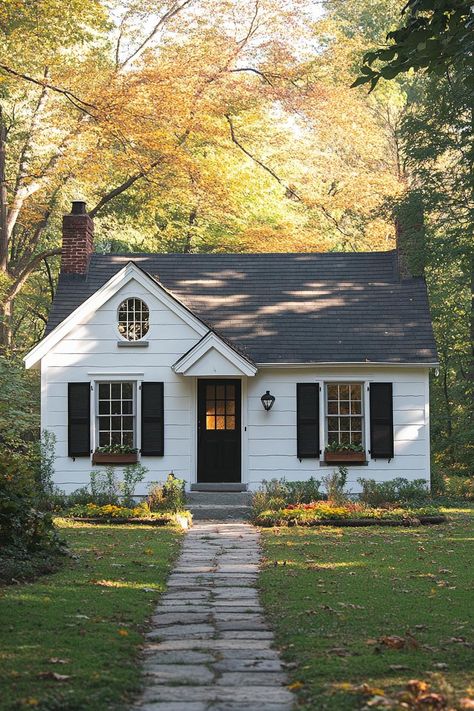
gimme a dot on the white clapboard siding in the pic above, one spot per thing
(89, 352)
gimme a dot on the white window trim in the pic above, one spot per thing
(136, 380)
(120, 335)
(323, 413)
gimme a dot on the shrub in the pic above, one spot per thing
(133, 474)
(105, 486)
(168, 496)
(394, 491)
(277, 493)
(335, 484)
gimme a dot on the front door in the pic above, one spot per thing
(219, 435)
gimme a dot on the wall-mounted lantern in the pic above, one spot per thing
(267, 400)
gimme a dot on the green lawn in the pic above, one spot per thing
(90, 615)
(332, 593)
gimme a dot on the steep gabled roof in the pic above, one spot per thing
(285, 308)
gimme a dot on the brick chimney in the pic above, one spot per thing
(78, 240)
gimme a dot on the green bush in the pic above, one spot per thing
(133, 474)
(335, 484)
(393, 491)
(167, 496)
(277, 493)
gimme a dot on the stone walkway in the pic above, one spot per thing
(210, 648)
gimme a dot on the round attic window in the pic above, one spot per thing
(133, 319)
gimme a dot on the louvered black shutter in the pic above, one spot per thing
(381, 421)
(79, 419)
(307, 420)
(153, 431)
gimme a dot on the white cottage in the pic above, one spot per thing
(234, 368)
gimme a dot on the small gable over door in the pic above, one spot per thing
(212, 357)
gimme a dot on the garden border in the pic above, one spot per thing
(357, 523)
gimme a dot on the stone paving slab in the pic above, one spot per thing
(210, 647)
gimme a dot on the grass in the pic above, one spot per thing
(90, 616)
(332, 593)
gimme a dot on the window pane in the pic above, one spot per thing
(127, 391)
(104, 390)
(356, 408)
(230, 423)
(220, 407)
(104, 439)
(332, 407)
(220, 423)
(220, 392)
(128, 439)
(345, 438)
(344, 392)
(210, 392)
(356, 391)
(211, 408)
(104, 407)
(127, 407)
(356, 424)
(116, 391)
(230, 392)
(356, 437)
(344, 407)
(333, 438)
(333, 423)
(116, 423)
(116, 407)
(210, 423)
(230, 407)
(115, 438)
(332, 392)
(344, 423)
(127, 423)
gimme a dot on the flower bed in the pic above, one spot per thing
(324, 513)
(141, 515)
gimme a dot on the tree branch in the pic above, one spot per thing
(290, 192)
(19, 282)
(122, 187)
(174, 10)
(76, 101)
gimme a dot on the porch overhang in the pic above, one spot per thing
(212, 357)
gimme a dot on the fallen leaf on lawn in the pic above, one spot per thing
(123, 633)
(54, 675)
(416, 686)
(295, 685)
(82, 617)
(339, 651)
(397, 667)
(466, 703)
(57, 660)
(440, 666)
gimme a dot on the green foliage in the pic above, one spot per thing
(277, 493)
(343, 447)
(25, 530)
(105, 486)
(331, 511)
(459, 487)
(436, 35)
(395, 491)
(167, 496)
(335, 484)
(133, 474)
(116, 449)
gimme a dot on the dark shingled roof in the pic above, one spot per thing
(286, 308)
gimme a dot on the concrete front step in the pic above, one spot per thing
(219, 498)
(220, 487)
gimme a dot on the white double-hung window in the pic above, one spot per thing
(344, 413)
(116, 414)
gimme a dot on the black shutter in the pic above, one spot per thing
(381, 421)
(79, 419)
(153, 431)
(307, 420)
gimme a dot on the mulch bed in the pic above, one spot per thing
(360, 522)
(119, 521)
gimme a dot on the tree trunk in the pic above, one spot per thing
(3, 198)
(188, 242)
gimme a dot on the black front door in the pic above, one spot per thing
(219, 436)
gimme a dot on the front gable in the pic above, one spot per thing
(122, 283)
(212, 357)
